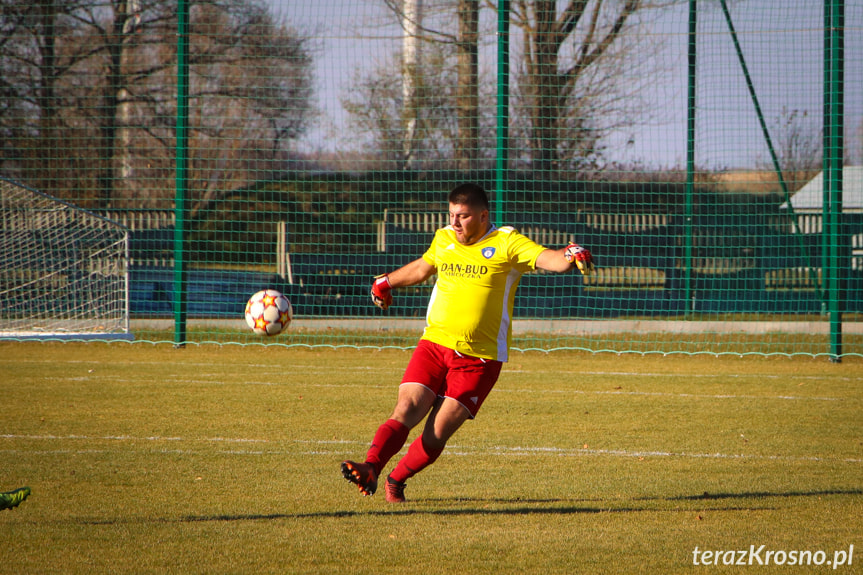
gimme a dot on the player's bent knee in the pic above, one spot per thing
(444, 421)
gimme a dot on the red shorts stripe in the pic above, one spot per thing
(448, 373)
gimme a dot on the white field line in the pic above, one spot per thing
(278, 370)
(328, 445)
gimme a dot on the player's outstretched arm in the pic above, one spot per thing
(413, 273)
(565, 259)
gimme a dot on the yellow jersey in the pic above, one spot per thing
(470, 309)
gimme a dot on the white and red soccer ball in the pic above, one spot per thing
(269, 312)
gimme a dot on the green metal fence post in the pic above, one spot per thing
(180, 279)
(502, 151)
(690, 160)
(834, 240)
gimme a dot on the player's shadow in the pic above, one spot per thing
(502, 506)
(407, 510)
(459, 511)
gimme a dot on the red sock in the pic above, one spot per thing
(417, 458)
(388, 440)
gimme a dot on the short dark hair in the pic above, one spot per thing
(471, 195)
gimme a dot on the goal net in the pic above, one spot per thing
(63, 270)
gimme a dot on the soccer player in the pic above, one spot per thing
(466, 340)
(12, 499)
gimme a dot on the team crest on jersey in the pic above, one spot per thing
(487, 253)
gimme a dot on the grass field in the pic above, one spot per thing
(225, 459)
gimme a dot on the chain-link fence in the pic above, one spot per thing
(708, 153)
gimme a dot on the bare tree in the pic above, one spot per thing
(375, 103)
(374, 107)
(465, 42)
(252, 81)
(467, 94)
(105, 76)
(798, 145)
(561, 50)
(584, 65)
(578, 78)
(37, 132)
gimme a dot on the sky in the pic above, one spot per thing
(781, 41)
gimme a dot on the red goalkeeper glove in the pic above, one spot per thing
(382, 292)
(580, 256)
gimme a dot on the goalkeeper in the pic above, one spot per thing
(466, 340)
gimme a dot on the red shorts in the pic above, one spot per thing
(451, 374)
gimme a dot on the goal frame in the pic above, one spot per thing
(100, 270)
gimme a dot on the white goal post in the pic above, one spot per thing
(64, 270)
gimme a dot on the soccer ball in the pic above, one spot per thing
(268, 312)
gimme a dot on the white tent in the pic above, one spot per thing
(809, 199)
